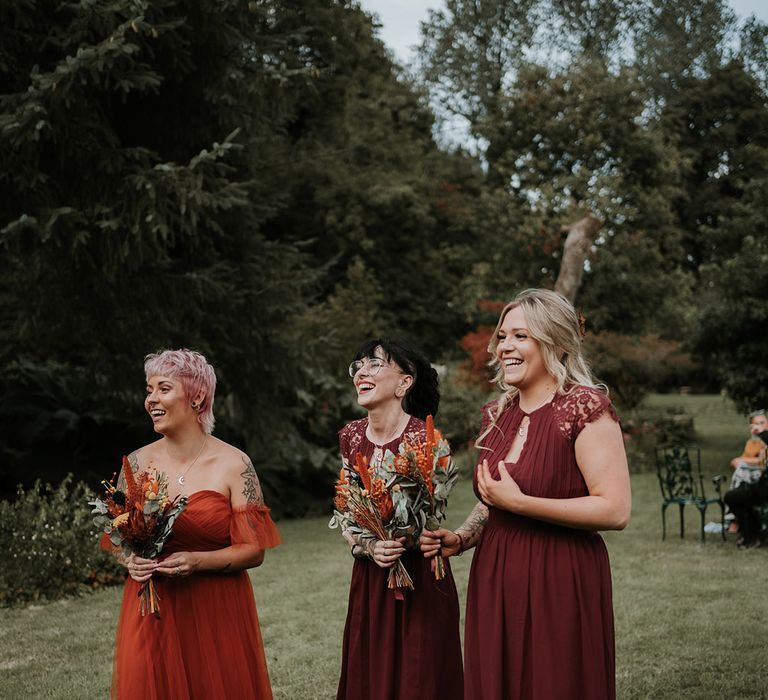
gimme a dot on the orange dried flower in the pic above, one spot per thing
(133, 490)
(381, 499)
(401, 465)
(361, 467)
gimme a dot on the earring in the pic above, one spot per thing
(194, 406)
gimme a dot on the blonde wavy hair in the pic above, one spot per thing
(555, 325)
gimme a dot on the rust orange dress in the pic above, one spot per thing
(206, 643)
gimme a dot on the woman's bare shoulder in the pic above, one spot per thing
(142, 456)
(230, 459)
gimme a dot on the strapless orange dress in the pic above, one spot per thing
(206, 644)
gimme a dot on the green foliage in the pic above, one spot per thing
(733, 323)
(369, 183)
(460, 404)
(631, 366)
(259, 181)
(140, 171)
(50, 545)
(50, 424)
(210, 172)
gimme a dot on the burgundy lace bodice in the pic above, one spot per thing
(352, 439)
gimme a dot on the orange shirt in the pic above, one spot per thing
(753, 447)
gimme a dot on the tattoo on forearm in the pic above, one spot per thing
(251, 487)
(474, 525)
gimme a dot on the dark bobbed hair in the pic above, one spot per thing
(423, 396)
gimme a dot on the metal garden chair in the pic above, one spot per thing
(682, 483)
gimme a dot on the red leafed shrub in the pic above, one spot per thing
(475, 344)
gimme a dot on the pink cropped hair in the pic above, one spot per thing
(195, 374)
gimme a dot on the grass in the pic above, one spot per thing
(690, 618)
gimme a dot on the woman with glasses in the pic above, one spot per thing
(409, 648)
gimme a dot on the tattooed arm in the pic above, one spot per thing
(473, 526)
(449, 544)
(251, 488)
(245, 491)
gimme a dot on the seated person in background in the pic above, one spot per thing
(744, 500)
(747, 467)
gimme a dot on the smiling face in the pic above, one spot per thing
(167, 404)
(758, 424)
(379, 381)
(519, 354)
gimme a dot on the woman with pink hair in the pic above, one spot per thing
(207, 643)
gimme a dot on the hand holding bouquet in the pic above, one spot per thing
(139, 520)
(426, 475)
(407, 491)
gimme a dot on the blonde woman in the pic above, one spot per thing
(552, 472)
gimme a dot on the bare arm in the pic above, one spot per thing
(602, 461)
(245, 491)
(449, 544)
(472, 528)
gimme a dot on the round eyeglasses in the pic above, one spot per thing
(371, 366)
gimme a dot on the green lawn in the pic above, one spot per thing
(691, 619)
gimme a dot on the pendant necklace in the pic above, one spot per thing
(182, 478)
(522, 429)
(378, 450)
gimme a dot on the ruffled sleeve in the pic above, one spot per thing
(252, 524)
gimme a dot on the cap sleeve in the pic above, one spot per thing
(252, 524)
(586, 406)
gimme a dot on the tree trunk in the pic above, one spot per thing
(577, 248)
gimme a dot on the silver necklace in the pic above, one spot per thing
(378, 451)
(182, 478)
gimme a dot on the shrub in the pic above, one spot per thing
(475, 344)
(50, 545)
(646, 429)
(632, 366)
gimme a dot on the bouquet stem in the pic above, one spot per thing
(149, 601)
(399, 578)
(438, 567)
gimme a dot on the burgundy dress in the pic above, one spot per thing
(539, 622)
(398, 649)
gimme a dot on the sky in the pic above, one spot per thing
(400, 19)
